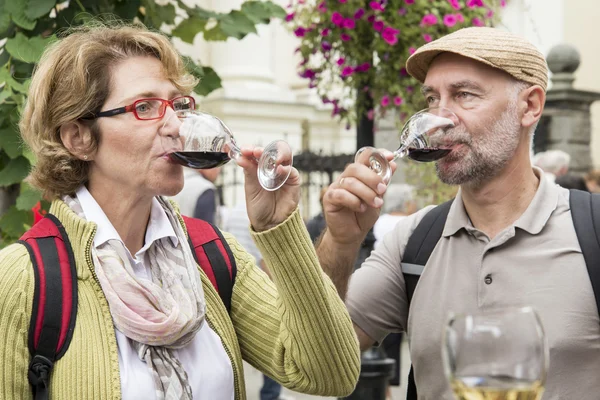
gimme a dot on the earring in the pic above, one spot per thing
(85, 157)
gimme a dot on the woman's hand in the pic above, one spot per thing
(267, 209)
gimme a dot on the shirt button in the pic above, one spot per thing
(488, 279)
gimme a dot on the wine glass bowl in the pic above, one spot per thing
(421, 139)
(204, 141)
(499, 355)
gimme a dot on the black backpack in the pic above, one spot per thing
(54, 308)
(585, 210)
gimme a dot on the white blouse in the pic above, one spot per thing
(205, 361)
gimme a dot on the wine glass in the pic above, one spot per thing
(498, 355)
(421, 139)
(204, 141)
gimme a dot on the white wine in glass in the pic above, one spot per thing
(498, 355)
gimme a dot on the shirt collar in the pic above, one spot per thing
(533, 220)
(158, 227)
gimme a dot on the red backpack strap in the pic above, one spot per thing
(214, 256)
(54, 307)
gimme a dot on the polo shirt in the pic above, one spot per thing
(536, 261)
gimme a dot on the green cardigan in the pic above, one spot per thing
(296, 330)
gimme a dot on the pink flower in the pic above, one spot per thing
(349, 23)
(371, 114)
(402, 11)
(375, 5)
(359, 13)
(289, 17)
(371, 18)
(411, 50)
(364, 67)
(300, 31)
(390, 35)
(385, 101)
(337, 18)
(477, 22)
(489, 14)
(450, 20)
(342, 1)
(474, 3)
(341, 61)
(347, 71)
(460, 17)
(410, 89)
(398, 100)
(325, 32)
(326, 46)
(345, 37)
(321, 7)
(309, 73)
(409, 1)
(403, 72)
(455, 4)
(502, 3)
(427, 37)
(429, 20)
(378, 25)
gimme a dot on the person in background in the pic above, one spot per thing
(199, 197)
(555, 163)
(571, 181)
(398, 202)
(592, 180)
(150, 324)
(316, 224)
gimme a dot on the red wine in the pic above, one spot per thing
(427, 154)
(200, 159)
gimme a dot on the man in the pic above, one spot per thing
(555, 163)
(199, 198)
(509, 239)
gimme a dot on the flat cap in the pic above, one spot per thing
(492, 46)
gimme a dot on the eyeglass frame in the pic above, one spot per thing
(131, 108)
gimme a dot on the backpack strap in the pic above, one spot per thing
(54, 308)
(585, 211)
(418, 249)
(214, 256)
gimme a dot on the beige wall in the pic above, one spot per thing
(581, 19)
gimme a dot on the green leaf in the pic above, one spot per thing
(4, 57)
(15, 222)
(17, 10)
(29, 155)
(262, 12)
(38, 8)
(15, 171)
(5, 94)
(4, 17)
(10, 142)
(236, 24)
(166, 13)
(215, 34)
(28, 197)
(197, 11)
(27, 49)
(209, 82)
(189, 28)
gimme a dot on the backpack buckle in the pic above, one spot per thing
(39, 371)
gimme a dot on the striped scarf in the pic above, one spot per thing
(158, 314)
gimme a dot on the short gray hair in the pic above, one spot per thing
(552, 160)
(397, 196)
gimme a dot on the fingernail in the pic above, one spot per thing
(381, 188)
(363, 207)
(378, 202)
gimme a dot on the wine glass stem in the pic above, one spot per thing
(235, 153)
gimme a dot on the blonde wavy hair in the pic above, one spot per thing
(71, 82)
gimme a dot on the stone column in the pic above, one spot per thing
(566, 123)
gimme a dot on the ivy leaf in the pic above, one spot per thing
(17, 10)
(10, 142)
(15, 222)
(197, 11)
(236, 24)
(4, 56)
(4, 16)
(5, 94)
(38, 8)
(27, 49)
(28, 154)
(189, 28)
(15, 171)
(215, 34)
(28, 197)
(209, 82)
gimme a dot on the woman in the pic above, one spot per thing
(103, 166)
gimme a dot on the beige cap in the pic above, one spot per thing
(494, 47)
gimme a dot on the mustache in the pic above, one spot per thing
(452, 136)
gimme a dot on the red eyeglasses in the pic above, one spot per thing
(151, 108)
